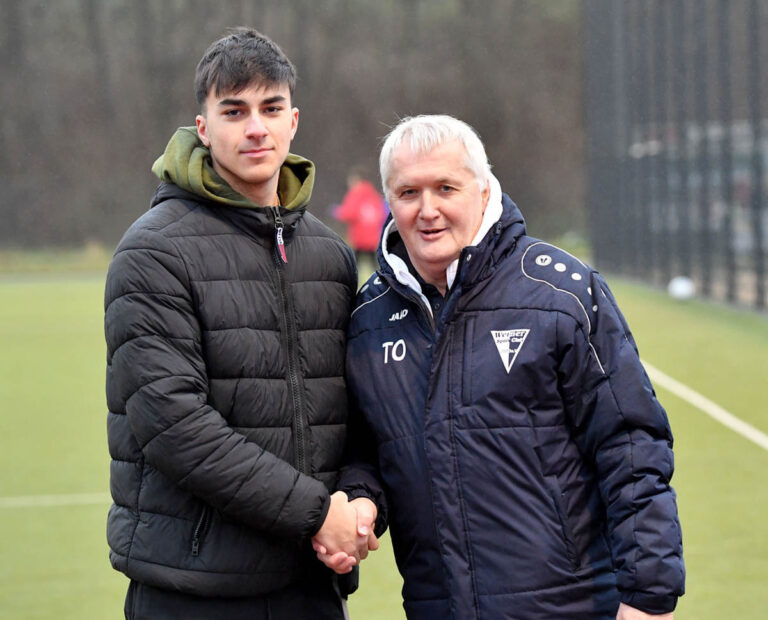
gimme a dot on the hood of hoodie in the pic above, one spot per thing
(188, 164)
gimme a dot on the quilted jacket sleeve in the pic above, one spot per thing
(359, 477)
(157, 377)
(623, 430)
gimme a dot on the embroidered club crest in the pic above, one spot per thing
(508, 343)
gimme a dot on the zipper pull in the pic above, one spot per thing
(279, 233)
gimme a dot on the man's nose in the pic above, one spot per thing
(255, 127)
(429, 207)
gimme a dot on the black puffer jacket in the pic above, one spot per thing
(227, 404)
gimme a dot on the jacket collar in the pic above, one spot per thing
(260, 221)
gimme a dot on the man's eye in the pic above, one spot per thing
(407, 193)
(273, 109)
(232, 113)
(446, 188)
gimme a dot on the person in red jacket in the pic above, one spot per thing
(363, 210)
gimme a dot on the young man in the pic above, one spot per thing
(524, 455)
(226, 307)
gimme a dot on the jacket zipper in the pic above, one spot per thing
(292, 357)
(279, 243)
(201, 529)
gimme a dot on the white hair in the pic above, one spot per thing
(426, 132)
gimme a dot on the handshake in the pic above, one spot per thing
(346, 535)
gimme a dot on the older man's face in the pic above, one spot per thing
(437, 205)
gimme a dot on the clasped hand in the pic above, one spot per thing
(630, 613)
(346, 535)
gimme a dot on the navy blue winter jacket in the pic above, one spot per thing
(525, 458)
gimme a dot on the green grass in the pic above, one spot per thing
(712, 348)
(53, 560)
(53, 433)
(722, 498)
(90, 258)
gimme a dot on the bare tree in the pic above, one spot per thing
(112, 79)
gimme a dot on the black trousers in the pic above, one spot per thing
(316, 600)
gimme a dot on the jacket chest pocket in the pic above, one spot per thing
(476, 367)
(504, 371)
(466, 370)
(469, 378)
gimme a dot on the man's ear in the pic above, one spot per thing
(485, 194)
(294, 121)
(202, 129)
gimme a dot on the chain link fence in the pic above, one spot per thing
(677, 139)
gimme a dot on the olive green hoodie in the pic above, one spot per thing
(187, 163)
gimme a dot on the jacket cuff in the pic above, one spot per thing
(381, 508)
(321, 517)
(650, 603)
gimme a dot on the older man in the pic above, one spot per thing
(524, 455)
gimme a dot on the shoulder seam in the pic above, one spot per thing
(578, 301)
(389, 288)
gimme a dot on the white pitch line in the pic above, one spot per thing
(713, 410)
(46, 501)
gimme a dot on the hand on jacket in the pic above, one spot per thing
(630, 613)
(341, 561)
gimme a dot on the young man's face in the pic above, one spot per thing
(249, 134)
(437, 205)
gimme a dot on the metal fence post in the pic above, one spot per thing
(704, 244)
(755, 107)
(660, 174)
(682, 202)
(726, 145)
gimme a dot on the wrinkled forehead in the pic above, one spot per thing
(448, 158)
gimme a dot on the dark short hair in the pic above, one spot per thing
(242, 57)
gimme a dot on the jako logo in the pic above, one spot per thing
(399, 315)
(397, 349)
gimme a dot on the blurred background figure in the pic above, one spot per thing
(363, 210)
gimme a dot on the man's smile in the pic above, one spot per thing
(258, 151)
(430, 234)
